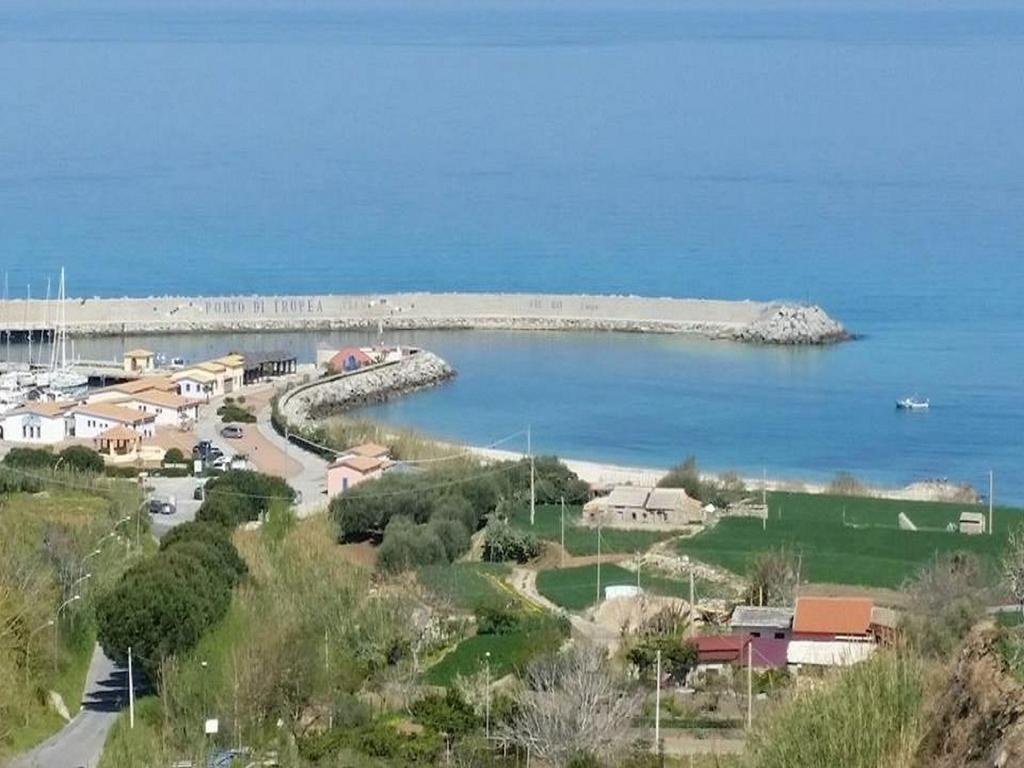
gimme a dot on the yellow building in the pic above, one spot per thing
(138, 361)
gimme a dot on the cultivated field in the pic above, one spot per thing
(848, 540)
(576, 588)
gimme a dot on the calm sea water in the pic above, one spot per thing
(868, 157)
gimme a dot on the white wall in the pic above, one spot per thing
(193, 389)
(169, 416)
(44, 430)
(87, 426)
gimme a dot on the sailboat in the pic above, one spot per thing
(63, 377)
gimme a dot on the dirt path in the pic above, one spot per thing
(554, 557)
(524, 581)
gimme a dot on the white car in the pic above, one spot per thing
(223, 463)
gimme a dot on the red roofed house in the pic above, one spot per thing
(349, 359)
(350, 470)
(829, 618)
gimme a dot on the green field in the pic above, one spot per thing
(576, 588)
(580, 539)
(468, 585)
(862, 545)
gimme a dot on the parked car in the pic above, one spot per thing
(223, 463)
(232, 432)
(161, 507)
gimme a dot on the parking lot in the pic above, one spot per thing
(181, 490)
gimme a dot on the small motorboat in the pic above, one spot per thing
(913, 403)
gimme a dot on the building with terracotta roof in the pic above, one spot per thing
(829, 618)
(40, 423)
(118, 441)
(91, 419)
(132, 387)
(196, 384)
(350, 470)
(169, 408)
(371, 450)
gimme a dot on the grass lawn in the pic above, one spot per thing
(576, 588)
(866, 549)
(468, 585)
(581, 539)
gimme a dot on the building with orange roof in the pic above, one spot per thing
(829, 618)
(133, 387)
(39, 423)
(169, 408)
(351, 470)
(91, 419)
(370, 450)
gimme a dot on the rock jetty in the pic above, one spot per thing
(792, 325)
(745, 321)
(317, 400)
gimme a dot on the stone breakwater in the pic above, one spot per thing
(745, 321)
(309, 403)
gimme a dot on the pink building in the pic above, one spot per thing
(351, 470)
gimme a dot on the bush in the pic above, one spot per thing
(232, 413)
(678, 656)
(209, 534)
(449, 714)
(453, 537)
(175, 456)
(241, 495)
(407, 546)
(946, 599)
(845, 484)
(496, 621)
(726, 490)
(81, 458)
(502, 542)
(29, 458)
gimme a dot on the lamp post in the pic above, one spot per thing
(81, 565)
(28, 646)
(56, 627)
(487, 701)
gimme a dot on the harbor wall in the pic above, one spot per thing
(413, 311)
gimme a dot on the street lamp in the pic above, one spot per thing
(28, 648)
(56, 627)
(81, 565)
(487, 704)
(79, 581)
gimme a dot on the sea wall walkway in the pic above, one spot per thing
(760, 322)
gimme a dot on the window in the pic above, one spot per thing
(755, 634)
(780, 635)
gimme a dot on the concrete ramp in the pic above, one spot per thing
(905, 523)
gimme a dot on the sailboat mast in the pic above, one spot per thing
(63, 324)
(28, 300)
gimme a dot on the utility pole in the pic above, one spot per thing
(327, 671)
(561, 563)
(131, 691)
(657, 702)
(533, 496)
(692, 604)
(638, 572)
(487, 704)
(598, 560)
(991, 491)
(750, 682)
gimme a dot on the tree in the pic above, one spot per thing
(174, 456)
(773, 578)
(210, 534)
(80, 458)
(945, 599)
(1013, 565)
(573, 704)
(502, 542)
(29, 458)
(239, 496)
(685, 476)
(678, 656)
(407, 545)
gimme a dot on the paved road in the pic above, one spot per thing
(80, 742)
(311, 480)
(181, 489)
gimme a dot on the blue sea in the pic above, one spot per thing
(867, 156)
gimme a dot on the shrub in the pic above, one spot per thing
(502, 542)
(678, 656)
(450, 714)
(230, 412)
(29, 458)
(81, 458)
(174, 456)
(209, 534)
(453, 537)
(238, 496)
(407, 545)
(946, 599)
(496, 621)
(845, 484)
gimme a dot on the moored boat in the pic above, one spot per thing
(912, 403)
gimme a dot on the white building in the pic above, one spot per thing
(38, 423)
(196, 384)
(168, 408)
(118, 392)
(92, 419)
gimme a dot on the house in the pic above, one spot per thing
(832, 618)
(673, 505)
(92, 419)
(762, 621)
(169, 408)
(349, 359)
(626, 502)
(972, 523)
(138, 361)
(41, 423)
(348, 471)
(233, 376)
(195, 384)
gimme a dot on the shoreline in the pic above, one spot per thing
(757, 322)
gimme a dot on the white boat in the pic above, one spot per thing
(62, 374)
(912, 403)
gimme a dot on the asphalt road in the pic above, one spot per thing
(80, 742)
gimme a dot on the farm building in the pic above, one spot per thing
(640, 505)
(972, 523)
(762, 621)
(719, 651)
(831, 618)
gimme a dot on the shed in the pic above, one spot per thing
(972, 523)
(832, 617)
(137, 360)
(626, 502)
(762, 621)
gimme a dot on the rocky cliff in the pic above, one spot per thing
(792, 324)
(319, 399)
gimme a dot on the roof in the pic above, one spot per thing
(164, 399)
(832, 615)
(141, 385)
(761, 616)
(885, 617)
(719, 647)
(255, 359)
(362, 464)
(119, 433)
(628, 495)
(211, 366)
(233, 360)
(671, 499)
(48, 409)
(195, 374)
(833, 653)
(373, 450)
(138, 353)
(114, 413)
